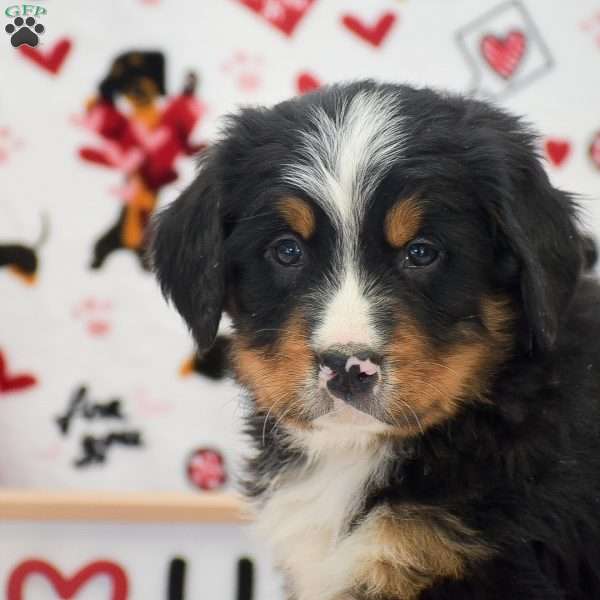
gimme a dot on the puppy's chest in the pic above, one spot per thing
(307, 518)
(392, 551)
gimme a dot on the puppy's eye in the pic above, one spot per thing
(420, 254)
(287, 252)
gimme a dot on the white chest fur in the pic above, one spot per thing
(305, 516)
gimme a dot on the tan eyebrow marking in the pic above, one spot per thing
(298, 215)
(402, 222)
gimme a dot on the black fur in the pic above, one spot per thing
(590, 251)
(523, 468)
(187, 253)
(129, 70)
(19, 256)
(214, 363)
(523, 471)
(24, 258)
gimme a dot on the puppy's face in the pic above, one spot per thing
(389, 313)
(368, 251)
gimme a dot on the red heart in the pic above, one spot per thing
(306, 82)
(67, 587)
(53, 59)
(282, 14)
(13, 383)
(557, 150)
(594, 150)
(374, 34)
(504, 54)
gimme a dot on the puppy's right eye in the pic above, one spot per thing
(287, 252)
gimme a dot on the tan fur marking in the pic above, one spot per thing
(402, 222)
(28, 278)
(498, 318)
(408, 547)
(137, 213)
(427, 386)
(276, 377)
(187, 368)
(412, 384)
(298, 215)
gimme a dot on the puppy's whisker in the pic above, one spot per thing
(256, 216)
(414, 414)
(283, 415)
(266, 419)
(281, 330)
(392, 417)
(418, 364)
(281, 355)
(433, 387)
(278, 401)
(436, 364)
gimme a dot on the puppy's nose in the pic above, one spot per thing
(350, 376)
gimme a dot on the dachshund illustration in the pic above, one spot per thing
(22, 259)
(143, 141)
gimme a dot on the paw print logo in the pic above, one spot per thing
(24, 31)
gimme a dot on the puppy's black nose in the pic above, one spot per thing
(350, 376)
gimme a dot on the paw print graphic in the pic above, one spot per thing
(8, 144)
(24, 31)
(245, 69)
(96, 315)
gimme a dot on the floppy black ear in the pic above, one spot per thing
(539, 225)
(187, 254)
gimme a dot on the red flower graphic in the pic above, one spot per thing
(206, 469)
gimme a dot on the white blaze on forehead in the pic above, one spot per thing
(347, 317)
(342, 158)
(346, 155)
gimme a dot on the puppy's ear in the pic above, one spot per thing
(187, 254)
(539, 226)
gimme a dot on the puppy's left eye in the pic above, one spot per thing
(287, 252)
(420, 254)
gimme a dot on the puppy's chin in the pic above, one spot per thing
(344, 427)
(344, 414)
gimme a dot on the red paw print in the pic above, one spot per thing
(95, 315)
(8, 144)
(245, 69)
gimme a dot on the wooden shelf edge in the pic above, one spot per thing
(159, 507)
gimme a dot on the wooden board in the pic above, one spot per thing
(120, 507)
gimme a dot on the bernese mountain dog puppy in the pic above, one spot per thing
(418, 339)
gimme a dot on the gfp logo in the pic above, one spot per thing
(24, 29)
